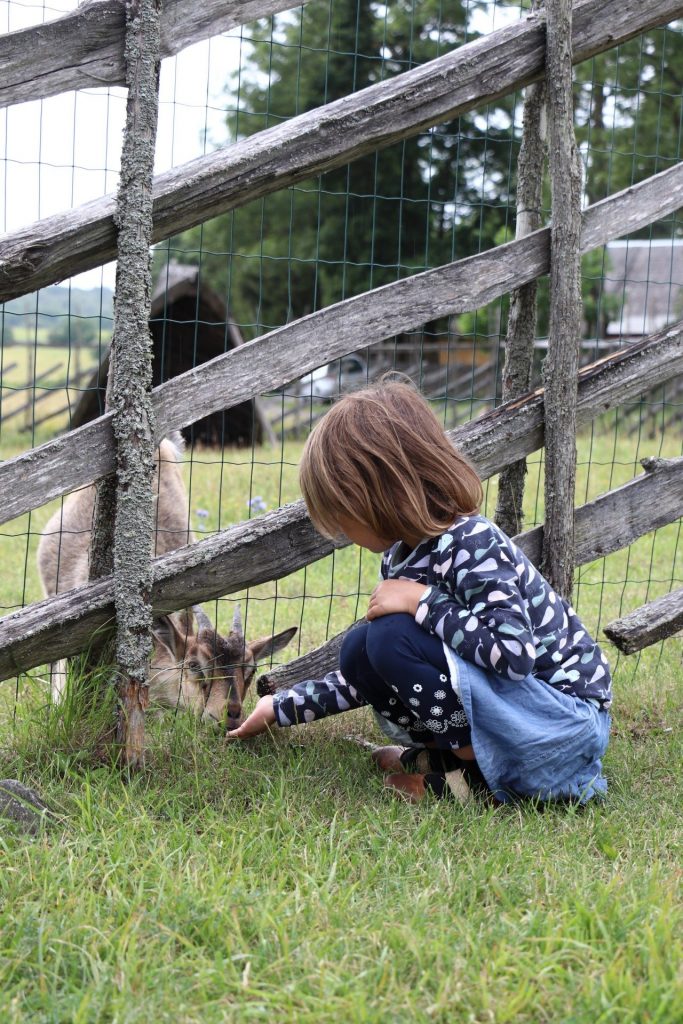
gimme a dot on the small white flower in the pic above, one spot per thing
(436, 710)
(434, 725)
(414, 701)
(443, 678)
(395, 689)
(440, 695)
(458, 718)
(386, 714)
(392, 700)
(417, 688)
(404, 720)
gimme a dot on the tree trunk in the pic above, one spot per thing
(562, 362)
(519, 344)
(131, 382)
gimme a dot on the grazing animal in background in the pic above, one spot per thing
(192, 666)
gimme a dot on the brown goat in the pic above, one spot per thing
(194, 668)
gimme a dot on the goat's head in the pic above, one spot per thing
(204, 671)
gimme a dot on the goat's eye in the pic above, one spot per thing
(194, 665)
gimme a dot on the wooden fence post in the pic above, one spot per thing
(562, 362)
(521, 331)
(131, 380)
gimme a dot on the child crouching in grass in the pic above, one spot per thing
(469, 658)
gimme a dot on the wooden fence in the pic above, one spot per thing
(86, 46)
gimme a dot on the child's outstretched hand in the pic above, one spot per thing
(260, 720)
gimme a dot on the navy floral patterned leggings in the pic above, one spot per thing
(402, 672)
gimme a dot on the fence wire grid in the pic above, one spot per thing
(445, 194)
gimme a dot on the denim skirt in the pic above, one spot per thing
(530, 739)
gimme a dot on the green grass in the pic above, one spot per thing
(276, 881)
(56, 367)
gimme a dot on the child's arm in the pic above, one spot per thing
(315, 698)
(304, 702)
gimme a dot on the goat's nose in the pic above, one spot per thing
(234, 711)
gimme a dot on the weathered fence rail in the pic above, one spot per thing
(330, 136)
(655, 621)
(276, 545)
(603, 526)
(280, 542)
(85, 48)
(609, 523)
(87, 453)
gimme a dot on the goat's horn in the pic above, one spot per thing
(203, 620)
(237, 622)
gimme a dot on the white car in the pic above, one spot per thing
(332, 379)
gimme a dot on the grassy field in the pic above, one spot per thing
(276, 881)
(60, 374)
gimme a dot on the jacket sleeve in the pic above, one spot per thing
(479, 611)
(315, 698)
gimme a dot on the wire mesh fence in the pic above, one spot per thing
(442, 195)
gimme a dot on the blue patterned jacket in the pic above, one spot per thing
(493, 608)
(487, 602)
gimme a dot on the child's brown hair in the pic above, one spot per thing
(381, 458)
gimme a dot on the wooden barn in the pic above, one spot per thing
(646, 275)
(190, 325)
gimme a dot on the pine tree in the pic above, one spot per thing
(384, 216)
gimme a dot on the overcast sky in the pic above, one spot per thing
(65, 150)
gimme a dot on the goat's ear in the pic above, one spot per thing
(268, 645)
(164, 634)
(172, 632)
(184, 620)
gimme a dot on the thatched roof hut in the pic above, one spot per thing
(190, 325)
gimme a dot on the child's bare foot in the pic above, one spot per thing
(414, 788)
(388, 759)
(410, 787)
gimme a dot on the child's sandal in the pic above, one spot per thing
(426, 760)
(462, 783)
(396, 759)
(449, 786)
(415, 787)
(416, 759)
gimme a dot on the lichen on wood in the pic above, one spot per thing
(560, 370)
(131, 382)
(521, 329)
(645, 626)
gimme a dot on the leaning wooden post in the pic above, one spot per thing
(560, 371)
(521, 331)
(131, 378)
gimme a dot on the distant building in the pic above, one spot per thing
(646, 276)
(190, 325)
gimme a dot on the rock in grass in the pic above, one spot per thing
(23, 806)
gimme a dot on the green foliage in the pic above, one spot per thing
(443, 195)
(599, 307)
(628, 113)
(382, 217)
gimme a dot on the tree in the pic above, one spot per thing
(384, 216)
(629, 115)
